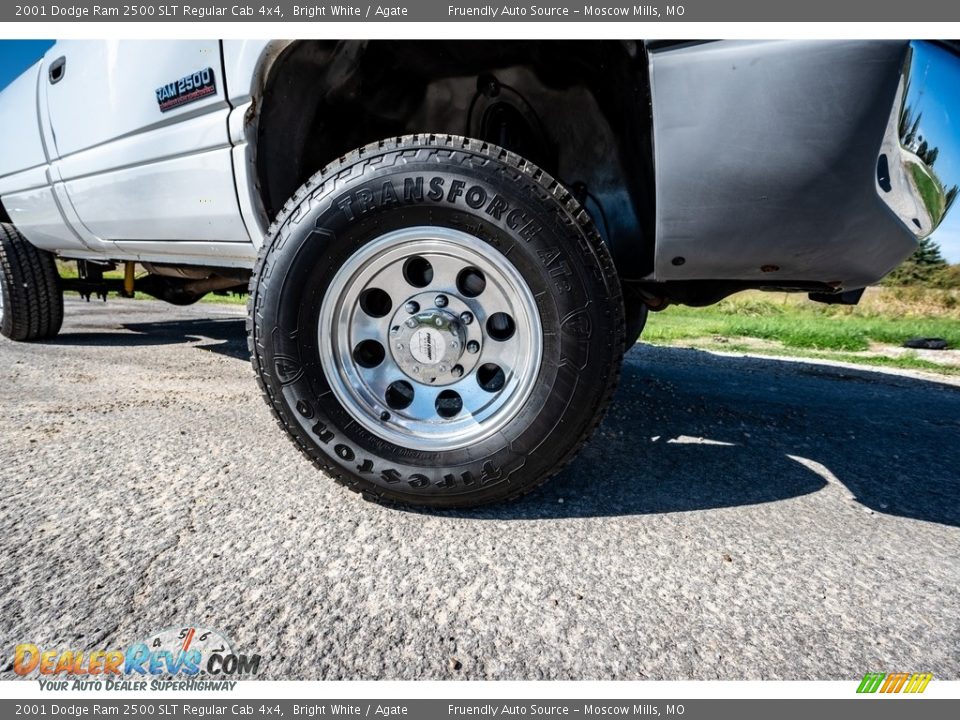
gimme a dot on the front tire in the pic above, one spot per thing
(436, 322)
(636, 312)
(31, 299)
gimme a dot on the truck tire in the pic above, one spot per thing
(636, 312)
(31, 299)
(436, 322)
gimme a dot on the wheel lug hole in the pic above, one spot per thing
(448, 404)
(375, 302)
(412, 307)
(399, 395)
(466, 318)
(457, 371)
(473, 347)
(441, 301)
(368, 353)
(395, 329)
(501, 326)
(491, 377)
(471, 282)
(418, 271)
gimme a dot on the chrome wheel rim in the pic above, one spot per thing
(430, 338)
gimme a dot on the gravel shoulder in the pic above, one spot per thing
(735, 517)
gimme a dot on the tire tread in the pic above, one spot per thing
(34, 308)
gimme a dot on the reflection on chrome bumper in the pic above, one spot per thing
(918, 170)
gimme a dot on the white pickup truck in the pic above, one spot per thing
(448, 244)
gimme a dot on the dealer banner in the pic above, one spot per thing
(445, 11)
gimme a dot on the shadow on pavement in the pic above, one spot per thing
(225, 336)
(689, 430)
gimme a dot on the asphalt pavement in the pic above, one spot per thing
(734, 518)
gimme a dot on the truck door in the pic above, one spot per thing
(142, 146)
(25, 186)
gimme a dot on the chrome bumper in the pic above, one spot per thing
(918, 169)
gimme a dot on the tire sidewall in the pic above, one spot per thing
(538, 235)
(6, 319)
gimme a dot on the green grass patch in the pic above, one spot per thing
(908, 361)
(797, 325)
(229, 299)
(930, 189)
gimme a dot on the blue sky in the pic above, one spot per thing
(948, 235)
(937, 97)
(17, 55)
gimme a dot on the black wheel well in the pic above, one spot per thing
(578, 108)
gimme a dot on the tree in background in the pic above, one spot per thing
(924, 267)
(949, 277)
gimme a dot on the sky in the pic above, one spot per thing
(937, 98)
(17, 55)
(948, 235)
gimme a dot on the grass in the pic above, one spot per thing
(798, 327)
(228, 299)
(931, 191)
(791, 325)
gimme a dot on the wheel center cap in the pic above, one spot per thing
(427, 346)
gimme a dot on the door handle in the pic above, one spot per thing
(58, 69)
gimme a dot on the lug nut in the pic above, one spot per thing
(399, 346)
(412, 307)
(442, 368)
(441, 301)
(416, 369)
(411, 323)
(466, 318)
(454, 345)
(457, 371)
(473, 346)
(438, 322)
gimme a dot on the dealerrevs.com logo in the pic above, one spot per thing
(187, 658)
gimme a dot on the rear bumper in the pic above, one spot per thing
(768, 158)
